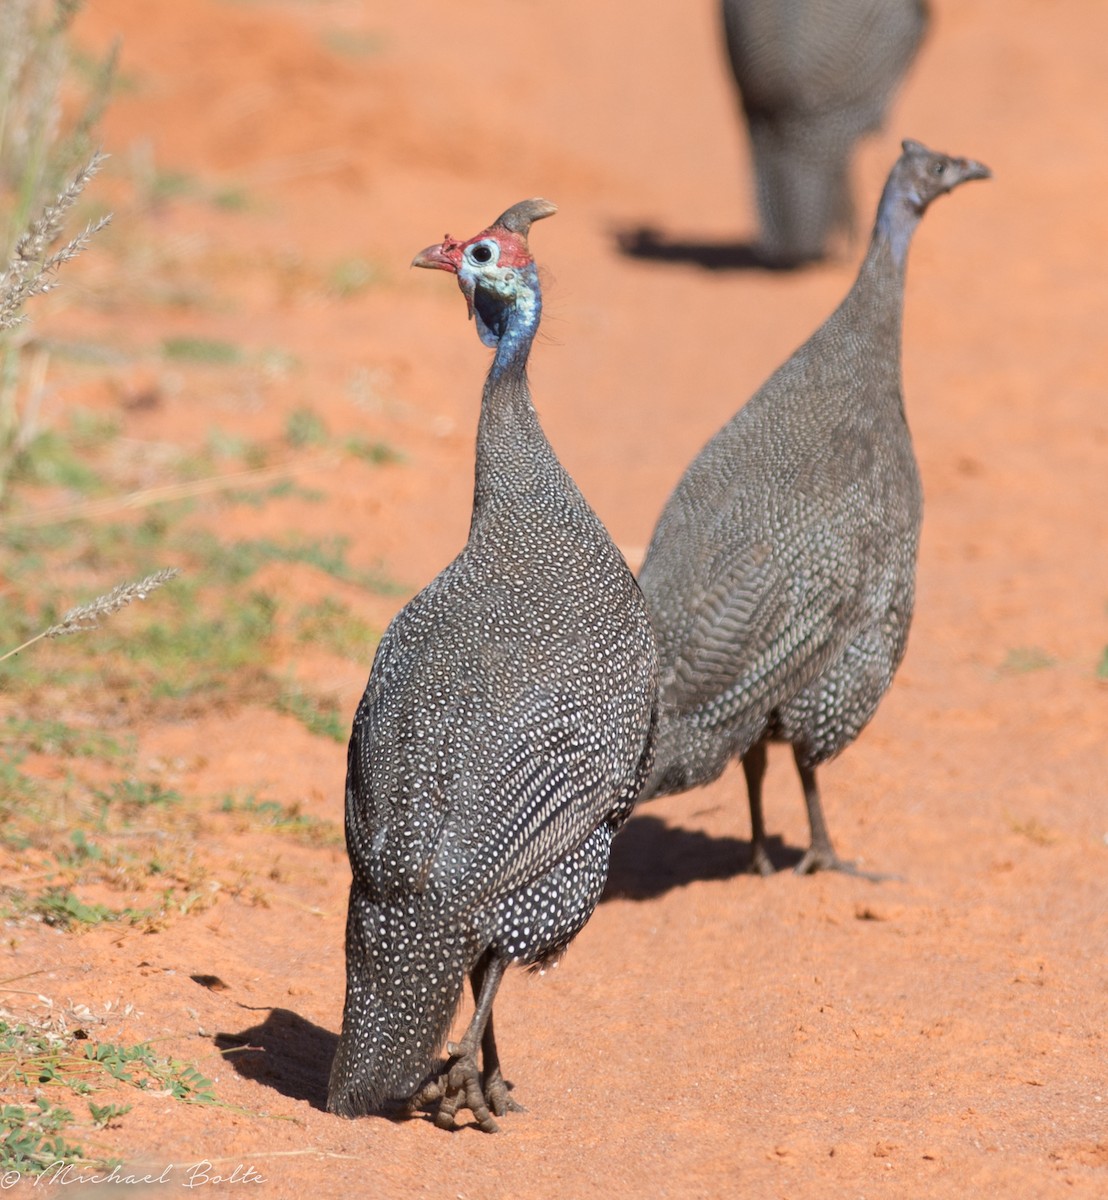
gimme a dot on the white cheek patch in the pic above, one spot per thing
(525, 303)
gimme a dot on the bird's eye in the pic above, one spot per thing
(481, 253)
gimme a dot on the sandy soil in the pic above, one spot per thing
(710, 1033)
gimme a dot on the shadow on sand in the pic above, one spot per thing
(652, 245)
(288, 1053)
(650, 857)
(285, 1052)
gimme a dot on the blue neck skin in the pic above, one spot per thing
(508, 318)
(897, 217)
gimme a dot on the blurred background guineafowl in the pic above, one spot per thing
(505, 731)
(814, 76)
(781, 574)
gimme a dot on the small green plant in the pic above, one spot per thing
(231, 199)
(319, 716)
(34, 1057)
(351, 276)
(170, 185)
(305, 427)
(135, 795)
(104, 1114)
(1023, 659)
(47, 735)
(352, 43)
(1102, 666)
(49, 459)
(83, 852)
(331, 624)
(32, 1138)
(63, 909)
(212, 351)
(286, 818)
(15, 786)
(33, 1133)
(377, 453)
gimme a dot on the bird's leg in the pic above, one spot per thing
(820, 855)
(459, 1086)
(754, 768)
(493, 1084)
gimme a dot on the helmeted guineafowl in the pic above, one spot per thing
(506, 729)
(813, 77)
(781, 574)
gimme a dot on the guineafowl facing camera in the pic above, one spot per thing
(506, 729)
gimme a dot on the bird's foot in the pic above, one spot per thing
(498, 1095)
(760, 862)
(460, 1087)
(824, 858)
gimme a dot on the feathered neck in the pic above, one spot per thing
(898, 214)
(512, 450)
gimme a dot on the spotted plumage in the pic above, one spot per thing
(814, 76)
(505, 731)
(781, 574)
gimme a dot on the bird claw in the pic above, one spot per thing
(460, 1087)
(498, 1096)
(760, 863)
(825, 859)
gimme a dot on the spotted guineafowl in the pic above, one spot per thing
(814, 76)
(506, 729)
(781, 574)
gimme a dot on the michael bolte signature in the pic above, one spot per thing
(188, 1175)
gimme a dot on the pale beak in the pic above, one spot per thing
(435, 257)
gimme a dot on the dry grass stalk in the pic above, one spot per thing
(31, 269)
(43, 170)
(88, 616)
(167, 492)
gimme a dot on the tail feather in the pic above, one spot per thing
(405, 969)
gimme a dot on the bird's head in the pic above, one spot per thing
(495, 269)
(923, 174)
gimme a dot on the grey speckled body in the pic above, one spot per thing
(505, 731)
(781, 574)
(814, 76)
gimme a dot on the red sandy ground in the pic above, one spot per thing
(710, 1033)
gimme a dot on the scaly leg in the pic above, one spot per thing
(459, 1086)
(754, 768)
(492, 1081)
(820, 855)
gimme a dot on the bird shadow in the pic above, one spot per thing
(651, 857)
(285, 1052)
(647, 243)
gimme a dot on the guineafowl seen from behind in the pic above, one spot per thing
(505, 731)
(781, 573)
(814, 76)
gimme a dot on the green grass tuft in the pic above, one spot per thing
(212, 351)
(331, 624)
(1023, 659)
(305, 427)
(352, 276)
(320, 716)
